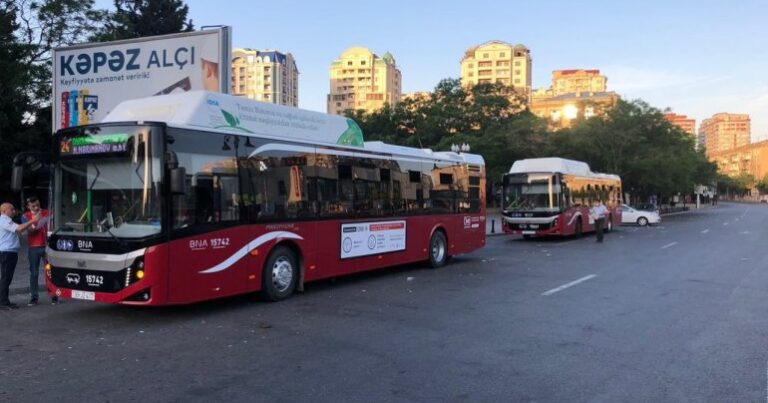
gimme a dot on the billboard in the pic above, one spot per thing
(91, 79)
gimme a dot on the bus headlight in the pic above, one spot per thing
(134, 272)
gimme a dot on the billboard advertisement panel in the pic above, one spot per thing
(89, 80)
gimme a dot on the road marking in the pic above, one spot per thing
(571, 284)
(705, 231)
(669, 245)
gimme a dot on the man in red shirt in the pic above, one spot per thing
(36, 240)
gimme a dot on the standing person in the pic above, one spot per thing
(598, 213)
(36, 239)
(9, 250)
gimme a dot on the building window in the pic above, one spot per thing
(517, 81)
(485, 55)
(517, 62)
(349, 63)
(362, 63)
(502, 54)
(471, 65)
(517, 72)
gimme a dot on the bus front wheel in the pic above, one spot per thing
(438, 250)
(280, 274)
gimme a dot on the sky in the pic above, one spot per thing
(697, 58)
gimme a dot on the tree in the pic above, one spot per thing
(140, 18)
(762, 185)
(28, 32)
(634, 141)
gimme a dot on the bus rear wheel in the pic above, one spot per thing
(280, 274)
(438, 250)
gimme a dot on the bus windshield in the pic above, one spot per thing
(108, 182)
(531, 192)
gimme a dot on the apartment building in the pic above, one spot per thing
(265, 75)
(748, 159)
(685, 124)
(498, 62)
(362, 80)
(572, 82)
(562, 110)
(725, 131)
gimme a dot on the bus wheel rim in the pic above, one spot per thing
(282, 274)
(438, 250)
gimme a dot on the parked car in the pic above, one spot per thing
(642, 218)
(647, 207)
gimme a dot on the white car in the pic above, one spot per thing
(642, 218)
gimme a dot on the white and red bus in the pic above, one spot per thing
(552, 196)
(182, 198)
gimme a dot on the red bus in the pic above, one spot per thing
(552, 196)
(183, 198)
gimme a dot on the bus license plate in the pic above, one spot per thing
(529, 232)
(89, 295)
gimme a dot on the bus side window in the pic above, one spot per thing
(211, 169)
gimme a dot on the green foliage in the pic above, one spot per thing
(738, 186)
(762, 185)
(140, 18)
(28, 32)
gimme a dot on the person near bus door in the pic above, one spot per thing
(598, 212)
(36, 239)
(9, 250)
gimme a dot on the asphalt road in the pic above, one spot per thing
(673, 313)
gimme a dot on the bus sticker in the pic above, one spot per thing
(372, 238)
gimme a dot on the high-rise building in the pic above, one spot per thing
(362, 80)
(265, 75)
(725, 131)
(573, 81)
(574, 93)
(685, 123)
(498, 62)
(561, 110)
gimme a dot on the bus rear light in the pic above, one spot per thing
(252, 277)
(255, 252)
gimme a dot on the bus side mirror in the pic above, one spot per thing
(17, 178)
(178, 181)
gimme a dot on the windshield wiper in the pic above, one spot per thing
(119, 241)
